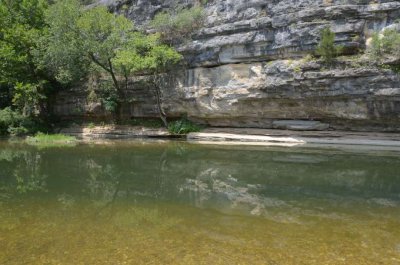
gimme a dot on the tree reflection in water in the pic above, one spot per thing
(128, 201)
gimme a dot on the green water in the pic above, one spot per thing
(178, 203)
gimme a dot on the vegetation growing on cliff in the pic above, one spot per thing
(327, 48)
(384, 49)
(178, 24)
(48, 45)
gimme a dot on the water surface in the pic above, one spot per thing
(177, 203)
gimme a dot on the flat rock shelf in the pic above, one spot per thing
(294, 138)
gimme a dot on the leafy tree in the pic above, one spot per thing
(81, 40)
(60, 50)
(21, 24)
(327, 48)
(146, 55)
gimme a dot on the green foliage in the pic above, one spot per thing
(42, 45)
(387, 43)
(183, 126)
(91, 125)
(60, 49)
(327, 48)
(21, 26)
(8, 119)
(51, 140)
(175, 27)
(14, 123)
(108, 96)
(145, 55)
(391, 42)
(78, 37)
(81, 40)
(27, 97)
(102, 34)
(384, 46)
(375, 49)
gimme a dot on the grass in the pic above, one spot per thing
(51, 140)
(183, 126)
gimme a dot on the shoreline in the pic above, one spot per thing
(241, 136)
(296, 138)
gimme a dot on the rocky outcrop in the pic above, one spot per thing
(245, 66)
(238, 31)
(256, 95)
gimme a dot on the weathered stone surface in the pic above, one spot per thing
(238, 136)
(238, 31)
(115, 132)
(254, 95)
(300, 125)
(245, 67)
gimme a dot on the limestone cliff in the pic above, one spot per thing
(246, 66)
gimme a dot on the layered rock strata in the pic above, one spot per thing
(246, 67)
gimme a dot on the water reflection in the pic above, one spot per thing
(128, 201)
(248, 182)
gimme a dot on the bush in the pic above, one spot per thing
(385, 45)
(27, 97)
(326, 47)
(14, 123)
(391, 42)
(11, 122)
(176, 27)
(183, 126)
(109, 96)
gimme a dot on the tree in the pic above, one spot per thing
(21, 24)
(326, 47)
(79, 39)
(146, 55)
(60, 50)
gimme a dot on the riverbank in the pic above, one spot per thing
(115, 132)
(241, 136)
(294, 138)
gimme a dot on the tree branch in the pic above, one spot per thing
(94, 59)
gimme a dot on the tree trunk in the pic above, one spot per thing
(161, 112)
(109, 69)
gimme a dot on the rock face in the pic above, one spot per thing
(245, 66)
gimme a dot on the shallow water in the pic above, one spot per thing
(177, 203)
